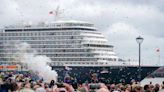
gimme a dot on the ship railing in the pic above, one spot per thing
(93, 63)
(45, 26)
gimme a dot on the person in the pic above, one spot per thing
(40, 89)
(156, 88)
(162, 89)
(112, 87)
(68, 87)
(138, 89)
(103, 90)
(128, 88)
(27, 88)
(13, 87)
(52, 83)
(83, 89)
(4, 87)
(146, 88)
(151, 87)
(63, 87)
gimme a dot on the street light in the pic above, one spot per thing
(139, 41)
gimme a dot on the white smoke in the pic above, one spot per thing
(34, 62)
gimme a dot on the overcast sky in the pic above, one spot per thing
(121, 21)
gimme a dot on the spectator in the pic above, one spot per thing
(27, 88)
(162, 88)
(112, 87)
(146, 88)
(52, 83)
(156, 88)
(103, 90)
(40, 89)
(138, 89)
(128, 88)
(22, 82)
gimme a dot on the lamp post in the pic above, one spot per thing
(139, 41)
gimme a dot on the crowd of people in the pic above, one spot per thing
(27, 82)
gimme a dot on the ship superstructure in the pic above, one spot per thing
(65, 42)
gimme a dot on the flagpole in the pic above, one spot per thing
(159, 58)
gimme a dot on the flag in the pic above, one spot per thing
(55, 12)
(157, 50)
(51, 12)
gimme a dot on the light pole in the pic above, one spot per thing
(139, 41)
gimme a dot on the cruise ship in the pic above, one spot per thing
(77, 49)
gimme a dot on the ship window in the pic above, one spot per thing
(101, 63)
(110, 59)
